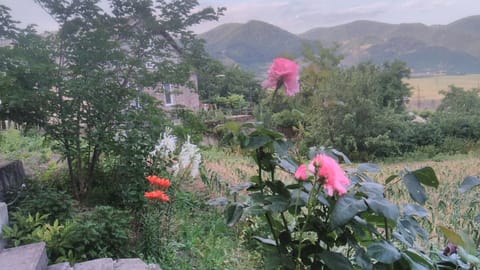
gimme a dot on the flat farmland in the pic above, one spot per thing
(425, 90)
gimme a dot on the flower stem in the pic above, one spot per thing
(313, 194)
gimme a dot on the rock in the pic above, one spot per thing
(27, 257)
(98, 264)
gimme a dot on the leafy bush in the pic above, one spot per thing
(47, 201)
(103, 232)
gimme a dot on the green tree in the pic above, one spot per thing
(102, 61)
(360, 110)
(217, 80)
(26, 79)
(459, 114)
(7, 24)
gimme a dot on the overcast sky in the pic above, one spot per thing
(298, 16)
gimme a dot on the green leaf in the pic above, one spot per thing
(278, 187)
(256, 210)
(299, 197)
(257, 142)
(391, 178)
(416, 260)
(416, 190)
(372, 189)
(363, 260)
(335, 260)
(452, 236)
(278, 203)
(384, 252)
(427, 176)
(285, 238)
(233, 213)
(468, 183)
(369, 168)
(346, 208)
(410, 209)
(287, 164)
(384, 207)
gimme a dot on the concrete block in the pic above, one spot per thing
(60, 266)
(12, 176)
(27, 257)
(129, 264)
(3, 221)
(98, 264)
(153, 266)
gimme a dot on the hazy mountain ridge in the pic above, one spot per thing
(451, 48)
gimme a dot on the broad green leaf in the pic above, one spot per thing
(369, 168)
(335, 260)
(384, 207)
(452, 236)
(322, 198)
(299, 197)
(256, 210)
(372, 189)
(383, 252)
(468, 183)
(470, 245)
(417, 261)
(427, 176)
(278, 203)
(346, 208)
(363, 260)
(287, 164)
(401, 238)
(413, 264)
(416, 190)
(410, 209)
(278, 187)
(233, 213)
(256, 142)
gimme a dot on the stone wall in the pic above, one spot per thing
(12, 176)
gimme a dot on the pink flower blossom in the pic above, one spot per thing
(301, 172)
(328, 168)
(283, 71)
(336, 179)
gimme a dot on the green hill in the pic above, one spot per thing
(452, 48)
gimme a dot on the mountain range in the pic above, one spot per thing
(453, 48)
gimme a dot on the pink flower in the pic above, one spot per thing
(283, 71)
(336, 179)
(301, 172)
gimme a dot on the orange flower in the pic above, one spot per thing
(157, 195)
(159, 182)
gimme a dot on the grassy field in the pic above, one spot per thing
(425, 90)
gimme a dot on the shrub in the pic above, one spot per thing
(47, 201)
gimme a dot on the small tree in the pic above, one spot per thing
(102, 61)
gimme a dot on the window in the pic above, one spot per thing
(169, 96)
